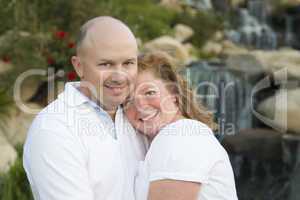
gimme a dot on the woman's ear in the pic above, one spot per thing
(76, 62)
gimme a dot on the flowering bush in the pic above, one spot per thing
(58, 52)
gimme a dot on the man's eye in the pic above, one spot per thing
(104, 64)
(150, 93)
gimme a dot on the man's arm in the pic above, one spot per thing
(55, 167)
(173, 190)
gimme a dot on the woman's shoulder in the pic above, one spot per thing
(186, 127)
(183, 145)
(186, 135)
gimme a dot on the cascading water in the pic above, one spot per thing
(266, 163)
(289, 37)
(253, 30)
(223, 93)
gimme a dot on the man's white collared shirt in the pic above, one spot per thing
(74, 151)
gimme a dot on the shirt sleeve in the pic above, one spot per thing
(55, 165)
(185, 151)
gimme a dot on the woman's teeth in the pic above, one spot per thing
(150, 116)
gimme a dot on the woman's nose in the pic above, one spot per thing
(140, 102)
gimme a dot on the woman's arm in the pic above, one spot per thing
(173, 190)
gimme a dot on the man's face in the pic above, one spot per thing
(111, 68)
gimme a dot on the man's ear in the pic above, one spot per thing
(77, 64)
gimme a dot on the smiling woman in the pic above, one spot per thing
(185, 160)
(161, 95)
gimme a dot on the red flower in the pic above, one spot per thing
(71, 76)
(60, 34)
(71, 45)
(50, 61)
(6, 59)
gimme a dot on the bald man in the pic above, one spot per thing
(81, 146)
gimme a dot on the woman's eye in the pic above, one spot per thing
(150, 93)
(128, 63)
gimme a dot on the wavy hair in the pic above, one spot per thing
(161, 64)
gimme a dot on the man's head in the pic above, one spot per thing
(106, 61)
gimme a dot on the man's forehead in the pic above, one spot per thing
(106, 33)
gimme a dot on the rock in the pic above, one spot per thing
(4, 67)
(245, 64)
(222, 6)
(270, 108)
(169, 45)
(8, 154)
(276, 60)
(17, 134)
(172, 4)
(212, 48)
(183, 32)
(229, 48)
(288, 3)
(218, 36)
(260, 144)
(236, 3)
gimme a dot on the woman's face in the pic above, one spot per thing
(152, 106)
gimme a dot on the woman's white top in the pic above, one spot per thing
(187, 150)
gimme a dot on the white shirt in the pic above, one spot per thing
(71, 153)
(187, 150)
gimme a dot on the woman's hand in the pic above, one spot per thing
(173, 190)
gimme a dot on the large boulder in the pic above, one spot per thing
(229, 48)
(183, 32)
(17, 134)
(246, 65)
(212, 48)
(172, 4)
(170, 45)
(275, 114)
(8, 154)
(276, 60)
(259, 144)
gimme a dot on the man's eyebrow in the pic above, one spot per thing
(131, 59)
(105, 60)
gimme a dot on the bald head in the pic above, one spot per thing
(103, 29)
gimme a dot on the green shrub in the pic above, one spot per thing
(145, 18)
(205, 24)
(14, 184)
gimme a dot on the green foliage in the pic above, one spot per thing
(5, 104)
(145, 18)
(14, 184)
(205, 24)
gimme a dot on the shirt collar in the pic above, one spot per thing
(73, 97)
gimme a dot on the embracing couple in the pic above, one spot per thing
(129, 130)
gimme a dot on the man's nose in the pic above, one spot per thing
(118, 76)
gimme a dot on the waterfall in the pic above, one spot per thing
(253, 30)
(288, 36)
(223, 93)
(257, 9)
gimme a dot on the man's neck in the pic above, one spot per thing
(111, 110)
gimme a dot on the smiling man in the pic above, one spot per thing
(81, 146)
